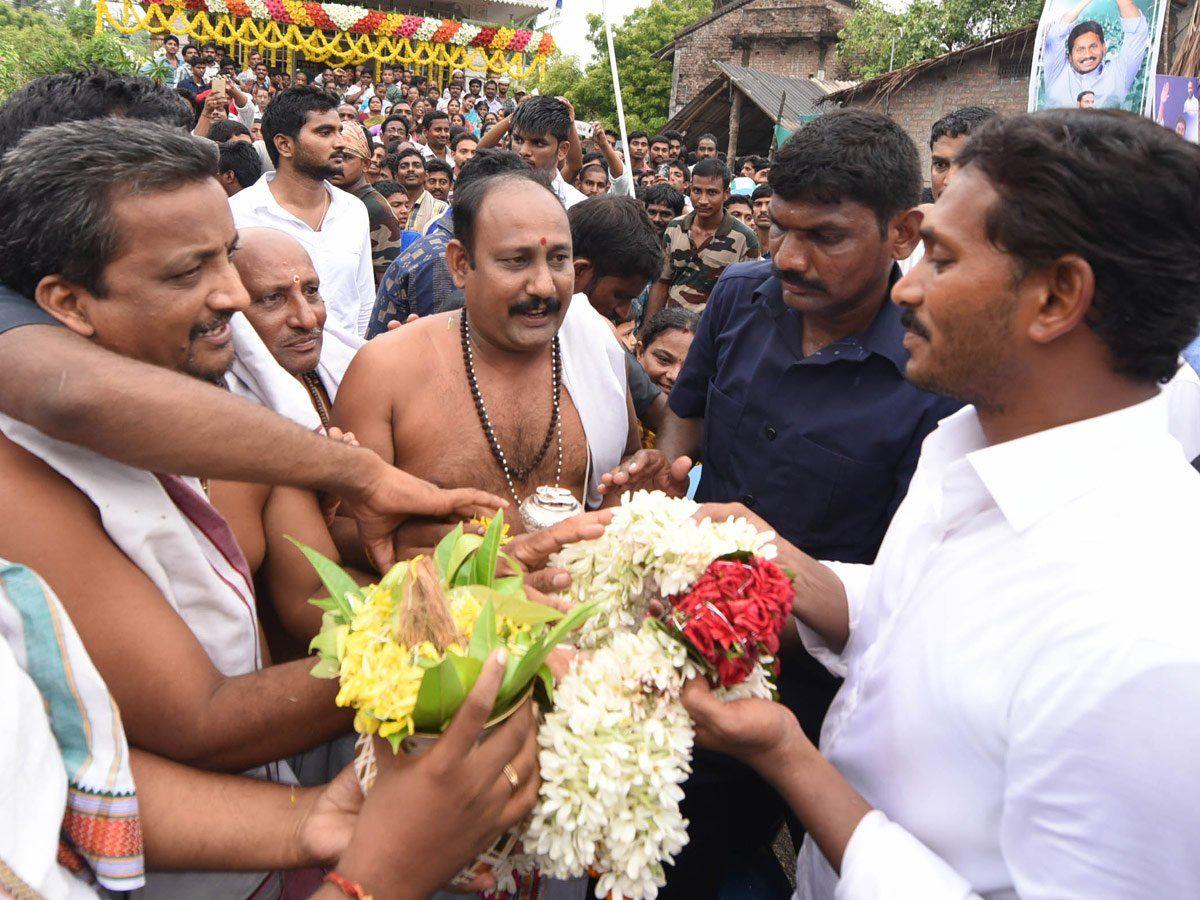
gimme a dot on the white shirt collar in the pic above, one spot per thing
(264, 200)
(1030, 477)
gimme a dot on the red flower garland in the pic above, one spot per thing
(484, 38)
(733, 615)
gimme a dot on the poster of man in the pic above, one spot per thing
(1177, 105)
(1096, 53)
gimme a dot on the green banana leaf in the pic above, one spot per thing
(517, 677)
(340, 585)
(443, 690)
(484, 638)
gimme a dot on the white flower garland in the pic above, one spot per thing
(427, 29)
(617, 746)
(652, 549)
(342, 15)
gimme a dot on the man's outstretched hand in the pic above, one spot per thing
(533, 552)
(392, 496)
(648, 470)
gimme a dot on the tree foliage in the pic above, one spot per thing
(33, 44)
(645, 81)
(925, 29)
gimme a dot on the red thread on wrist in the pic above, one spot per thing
(350, 888)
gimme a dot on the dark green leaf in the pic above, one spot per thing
(443, 690)
(516, 680)
(483, 569)
(445, 549)
(340, 585)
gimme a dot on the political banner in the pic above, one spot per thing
(1177, 105)
(1097, 53)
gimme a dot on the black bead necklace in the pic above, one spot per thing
(512, 474)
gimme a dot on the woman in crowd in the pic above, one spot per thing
(663, 345)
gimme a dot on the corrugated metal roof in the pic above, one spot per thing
(767, 90)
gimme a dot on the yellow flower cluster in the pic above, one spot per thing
(379, 677)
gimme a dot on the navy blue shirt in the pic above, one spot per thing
(823, 446)
(16, 311)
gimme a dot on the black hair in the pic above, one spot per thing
(224, 129)
(639, 134)
(92, 94)
(463, 135)
(1090, 182)
(433, 116)
(660, 139)
(439, 165)
(959, 122)
(392, 160)
(542, 115)
(712, 168)
(288, 112)
(672, 135)
(682, 165)
(1088, 26)
(594, 164)
(593, 156)
(170, 37)
(1083, 94)
(242, 160)
(490, 81)
(616, 236)
(394, 118)
(386, 187)
(491, 161)
(852, 155)
(58, 207)
(763, 190)
(664, 195)
(673, 319)
(470, 197)
(744, 199)
(759, 163)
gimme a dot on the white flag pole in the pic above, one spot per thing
(612, 62)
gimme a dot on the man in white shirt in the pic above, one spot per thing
(303, 137)
(1022, 679)
(541, 132)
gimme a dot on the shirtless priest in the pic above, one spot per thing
(521, 389)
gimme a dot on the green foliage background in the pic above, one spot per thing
(35, 43)
(645, 81)
(926, 28)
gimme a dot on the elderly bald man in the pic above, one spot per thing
(288, 316)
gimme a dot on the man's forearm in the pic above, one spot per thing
(251, 720)
(678, 436)
(824, 802)
(233, 823)
(656, 301)
(615, 165)
(494, 134)
(151, 418)
(820, 601)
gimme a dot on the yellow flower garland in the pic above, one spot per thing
(343, 49)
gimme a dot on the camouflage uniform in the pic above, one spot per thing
(692, 271)
(385, 229)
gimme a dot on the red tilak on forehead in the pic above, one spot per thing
(543, 242)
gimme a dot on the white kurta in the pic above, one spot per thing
(1022, 693)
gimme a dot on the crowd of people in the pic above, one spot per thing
(249, 308)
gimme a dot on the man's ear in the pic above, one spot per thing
(584, 272)
(458, 262)
(1066, 288)
(563, 147)
(67, 302)
(904, 232)
(285, 146)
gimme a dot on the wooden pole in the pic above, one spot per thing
(735, 115)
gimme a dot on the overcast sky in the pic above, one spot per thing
(571, 31)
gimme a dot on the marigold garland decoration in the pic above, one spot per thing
(360, 34)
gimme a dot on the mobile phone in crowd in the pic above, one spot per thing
(584, 130)
(218, 85)
(664, 171)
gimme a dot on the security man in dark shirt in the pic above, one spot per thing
(793, 397)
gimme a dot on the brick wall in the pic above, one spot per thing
(787, 37)
(997, 81)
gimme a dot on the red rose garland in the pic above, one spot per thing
(733, 615)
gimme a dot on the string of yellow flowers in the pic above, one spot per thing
(340, 49)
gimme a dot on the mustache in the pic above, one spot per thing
(215, 324)
(910, 322)
(303, 336)
(799, 280)
(549, 305)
